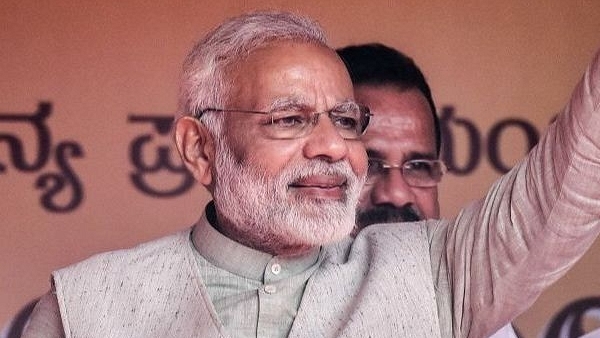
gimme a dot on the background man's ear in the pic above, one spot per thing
(196, 148)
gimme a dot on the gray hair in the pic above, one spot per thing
(204, 81)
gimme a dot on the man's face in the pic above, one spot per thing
(287, 195)
(401, 129)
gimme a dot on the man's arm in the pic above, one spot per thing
(45, 319)
(533, 225)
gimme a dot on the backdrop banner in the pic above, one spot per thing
(88, 92)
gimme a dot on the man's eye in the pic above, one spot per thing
(288, 120)
(344, 122)
(419, 166)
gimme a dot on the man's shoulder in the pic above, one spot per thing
(393, 228)
(146, 253)
(382, 239)
(109, 293)
(427, 237)
(404, 230)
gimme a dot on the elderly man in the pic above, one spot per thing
(403, 140)
(271, 129)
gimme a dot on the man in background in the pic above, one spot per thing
(403, 140)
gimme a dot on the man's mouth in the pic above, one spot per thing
(320, 187)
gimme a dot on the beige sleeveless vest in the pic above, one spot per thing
(379, 285)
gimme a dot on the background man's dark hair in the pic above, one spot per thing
(376, 64)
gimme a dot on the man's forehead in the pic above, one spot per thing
(398, 125)
(401, 136)
(288, 49)
(301, 72)
(396, 113)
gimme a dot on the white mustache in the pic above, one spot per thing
(294, 173)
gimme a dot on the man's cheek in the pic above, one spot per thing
(358, 159)
(363, 199)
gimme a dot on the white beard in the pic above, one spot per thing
(264, 214)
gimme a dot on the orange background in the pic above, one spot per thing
(99, 61)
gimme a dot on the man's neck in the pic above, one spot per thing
(252, 240)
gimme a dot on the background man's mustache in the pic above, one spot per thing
(387, 213)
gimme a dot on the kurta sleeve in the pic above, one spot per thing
(535, 222)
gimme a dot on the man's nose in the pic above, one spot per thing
(391, 188)
(325, 141)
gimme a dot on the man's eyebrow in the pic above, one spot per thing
(299, 103)
(283, 103)
(416, 155)
(343, 102)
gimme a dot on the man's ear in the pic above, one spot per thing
(196, 148)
